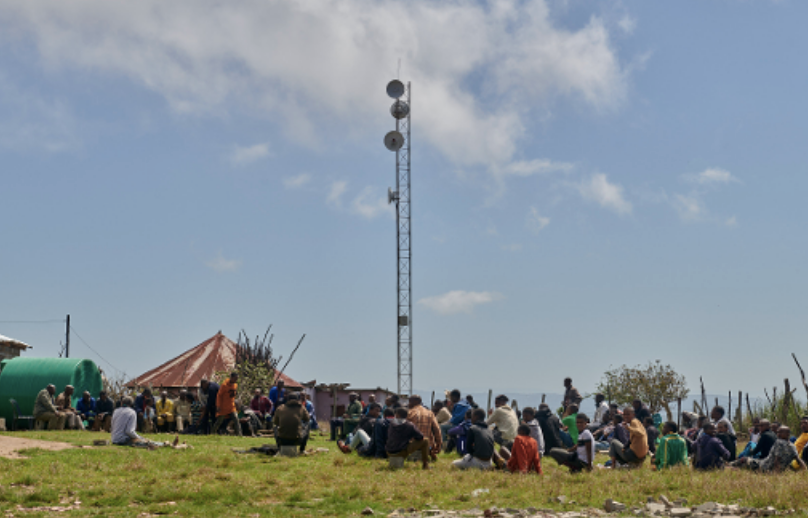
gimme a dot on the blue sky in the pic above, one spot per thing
(594, 184)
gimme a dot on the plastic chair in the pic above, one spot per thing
(19, 417)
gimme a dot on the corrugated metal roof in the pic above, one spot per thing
(215, 354)
(11, 342)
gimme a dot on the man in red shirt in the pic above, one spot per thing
(226, 404)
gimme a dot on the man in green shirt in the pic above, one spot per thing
(671, 449)
(569, 421)
(352, 414)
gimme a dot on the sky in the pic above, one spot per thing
(593, 184)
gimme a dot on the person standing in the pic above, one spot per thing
(571, 394)
(226, 404)
(210, 390)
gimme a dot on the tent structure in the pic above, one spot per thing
(216, 354)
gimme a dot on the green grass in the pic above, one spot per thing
(211, 480)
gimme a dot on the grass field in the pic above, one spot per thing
(211, 480)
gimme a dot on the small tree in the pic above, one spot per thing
(653, 383)
(256, 365)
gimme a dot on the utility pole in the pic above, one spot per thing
(67, 338)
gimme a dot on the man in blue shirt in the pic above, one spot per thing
(277, 395)
(86, 408)
(458, 408)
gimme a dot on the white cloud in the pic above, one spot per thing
(276, 59)
(297, 181)
(514, 247)
(712, 176)
(243, 155)
(731, 222)
(535, 222)
(459, 301)
(533, 167)
(607, 195)
(627, 24)
(689, 208)
(338, 188)
(220, 264)
(368, 205)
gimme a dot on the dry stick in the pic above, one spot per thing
(740, 409)
(729, 406)
(802, 373)
(432, 403)
(293, 353)
(749, 407)
(786, 397)
(703, 394)
(774, 399)
(679, 411)
(489, 401)
(542, 398)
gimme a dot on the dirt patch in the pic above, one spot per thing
(11, 446)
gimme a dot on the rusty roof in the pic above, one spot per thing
(215, 354)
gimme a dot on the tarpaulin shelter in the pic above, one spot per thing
(23, 378)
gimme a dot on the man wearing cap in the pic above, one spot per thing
(425, 421)
(505, 420)
(65, 403)
(46, 411)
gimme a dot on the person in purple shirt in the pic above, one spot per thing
(710, 452)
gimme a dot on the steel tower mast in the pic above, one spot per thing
(399, 141)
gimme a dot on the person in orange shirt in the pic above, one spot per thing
(226, 404)
(524, 453)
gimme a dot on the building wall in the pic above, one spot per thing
(323, 400)
(7, 352)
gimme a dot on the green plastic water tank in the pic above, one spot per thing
(23, 378)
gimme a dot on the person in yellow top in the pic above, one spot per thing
(226, 404)
(802, 441)
(637, 448)
(165, 412)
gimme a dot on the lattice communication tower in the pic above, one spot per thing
(399, 141)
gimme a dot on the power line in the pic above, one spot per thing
(73, 330)
(62, 321)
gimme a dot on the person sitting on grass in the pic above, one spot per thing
(124, 424)
(672, 448)
(458, 408)
(165, 413)
(307, 404)
(614, 430)
(550, 427)
(634, 452)
(442, 414)
(641, 410)
(425, 421)
(196, 410)
(728, 439)
(601, 417)
(524, 453)
(144, 407)
(85, 408)
(651, 432)
(45, 411)
(364, 432)
(261, 405)
(404, 439)
(580, 456)
(504, 419)
(529, 419)
(718, 415)
(65, 403)
(710, 453)
(802, 440)
(182, 411)
(103, 412)
(457, 435)
(277, 395)
(569, 432)
(479, 444)
(378, 442)
(226, 404)
(766, 439)
(208, 397)
(781, 455)
(291, 423)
